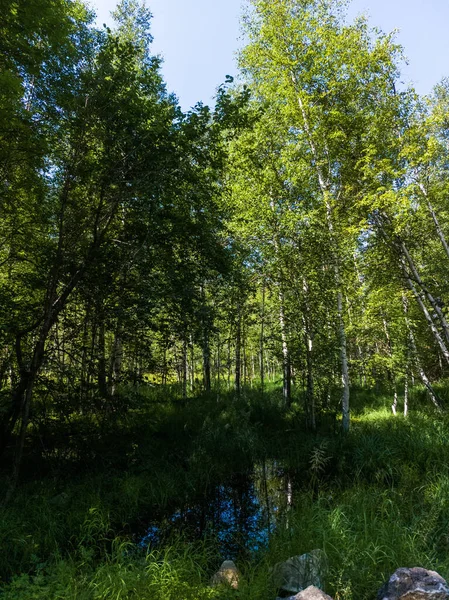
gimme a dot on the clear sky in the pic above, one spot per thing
(198, 40)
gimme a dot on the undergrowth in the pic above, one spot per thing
(374, 500)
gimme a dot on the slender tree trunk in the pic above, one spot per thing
(394, 406)
(84, 353)
(310, 387)
(102, 383)
(229, 361)
(324, 187)
(360, 354)
(391, 374)
(238, 346)
(406, 395)
(308, 335)
(206, 362)
(244, 356)
(434, 304)
(218, 365)
(13, 414)
(428, 317)
(184, 368)
(25, 415)
(438, 228)
(286, 368)
(191, 364)
(23, 397)
(433, 396)
(262, 341)
(116, 361)
(411, 279)
(164, 364)
(344, 366)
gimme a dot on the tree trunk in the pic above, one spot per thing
(116, 361)
(286, 368)
(433, 396)
(438, 228)
(308, 337)
(23, 396)
(84, 353)
(218, 365)
(394, 406)
(229, 361)
(428, 317)
(310, 387)
(238, 361)
(184, 368)
(206, 362)
(344, 367)
(406, 395)
(434, 304)
(324, 187)
(191, 362)
(262, 341)
(102, 382)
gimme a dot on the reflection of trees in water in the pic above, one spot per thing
(241, 514)
(274, 485)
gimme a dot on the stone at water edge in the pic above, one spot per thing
(310, 593)
(227, 574)
(299, 572)
(414, 584)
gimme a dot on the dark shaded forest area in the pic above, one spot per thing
(224, 333)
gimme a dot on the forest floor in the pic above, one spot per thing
(148, 503)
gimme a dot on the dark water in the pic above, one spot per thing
(240, 513)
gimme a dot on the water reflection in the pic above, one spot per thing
(240, 513)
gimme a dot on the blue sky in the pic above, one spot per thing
(198, 40)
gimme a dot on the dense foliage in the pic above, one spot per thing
(230, 281)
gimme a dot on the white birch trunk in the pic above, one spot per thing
(439, 231)
(324, 187)
(428, 318)
(406, 395)
(394, 406)
(416, 360)
(286, 388)
(308, 334)
(427, 293)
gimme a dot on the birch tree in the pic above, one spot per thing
(327, 79)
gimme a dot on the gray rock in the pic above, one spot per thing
(310, 593)
(414, 584)
(299, 572)
(227, 574)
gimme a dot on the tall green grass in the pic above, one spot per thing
(374, 500)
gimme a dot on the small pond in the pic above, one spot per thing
(240, 513)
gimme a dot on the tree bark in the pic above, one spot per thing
(438, 228)
(238, 346)
(286, 367)
(206, 362)
(406, 395)
(427, 293)
(116, 360)
(184, 368)
(102, 381)
(324, 187)
(428, 317)
(308, 335)
(433, 395)
(262, 341)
